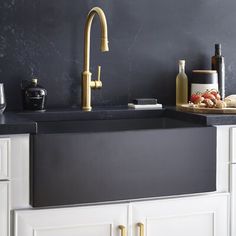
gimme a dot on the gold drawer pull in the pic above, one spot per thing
(122, 230)
(141, 229)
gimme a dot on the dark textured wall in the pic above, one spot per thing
(45, 38)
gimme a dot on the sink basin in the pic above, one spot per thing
(103, 119)
(105, 160)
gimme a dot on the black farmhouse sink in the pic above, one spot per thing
(104, 160)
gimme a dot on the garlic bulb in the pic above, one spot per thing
(220, 104)
(231, 100)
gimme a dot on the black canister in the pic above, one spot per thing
(34, 96)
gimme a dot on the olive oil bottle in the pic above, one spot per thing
(181, 85)
(218, 64)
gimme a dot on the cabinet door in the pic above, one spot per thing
(74, 221)
(4, 208)
(187, 216)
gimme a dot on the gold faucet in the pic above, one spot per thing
(87, 83)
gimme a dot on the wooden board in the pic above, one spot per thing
(188, 108)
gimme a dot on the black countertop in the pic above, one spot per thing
(200, 118)
(11, 123)
(26, 122)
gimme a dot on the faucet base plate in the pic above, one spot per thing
(86, 108)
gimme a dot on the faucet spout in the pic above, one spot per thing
(87, 84)
(87, 33)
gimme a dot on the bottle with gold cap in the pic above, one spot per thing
(34, 96)
(181, 85)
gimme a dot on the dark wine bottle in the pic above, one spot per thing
(218, 64)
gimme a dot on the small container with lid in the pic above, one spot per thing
(34, 96)
(203, 80)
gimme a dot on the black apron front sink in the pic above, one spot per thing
(83, 162)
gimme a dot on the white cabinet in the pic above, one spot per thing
(201, 215)
(4, 158)
(4, 186)
(226, 162)
(74, 221)
(20, 171)
(4, 208)
(187, 216)
(233, 179)
(223, 158)
(14, 178)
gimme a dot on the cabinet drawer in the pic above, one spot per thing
(4, 158)
(4, 208)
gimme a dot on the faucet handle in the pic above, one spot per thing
(98, 82)
(99, 73)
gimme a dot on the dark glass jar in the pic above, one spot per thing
(34, 96)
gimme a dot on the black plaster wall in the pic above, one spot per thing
(147, 37)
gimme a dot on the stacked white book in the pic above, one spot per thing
(147, 107)
(145, 104)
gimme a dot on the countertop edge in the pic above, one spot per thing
(26, 122)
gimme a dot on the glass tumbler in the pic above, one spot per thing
(2, 99)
